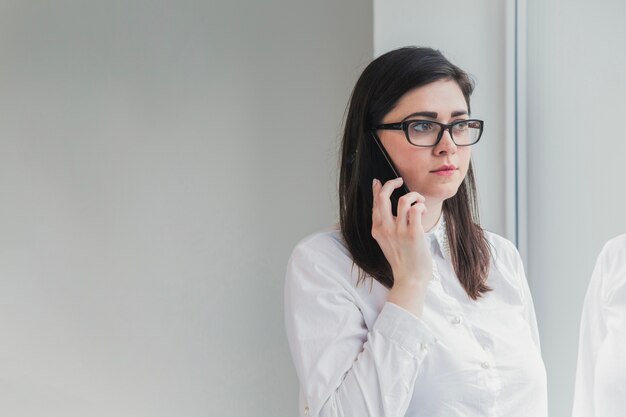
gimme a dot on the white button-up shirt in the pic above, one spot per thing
(601, 373)
(357, 355)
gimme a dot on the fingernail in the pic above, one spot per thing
(374, 182)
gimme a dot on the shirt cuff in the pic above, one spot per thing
(403, 328)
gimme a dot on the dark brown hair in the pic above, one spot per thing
(383, 82)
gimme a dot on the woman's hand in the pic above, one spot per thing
(403, 243)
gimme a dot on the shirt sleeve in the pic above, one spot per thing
(344, 368)
(592, 333)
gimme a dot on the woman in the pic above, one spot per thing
(601, 374)
(421, 313)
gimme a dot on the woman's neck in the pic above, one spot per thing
(432, 215)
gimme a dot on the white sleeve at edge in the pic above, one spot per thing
(592, 333)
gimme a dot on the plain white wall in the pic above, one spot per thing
(472, 36)
(158, 161)
(576, 147)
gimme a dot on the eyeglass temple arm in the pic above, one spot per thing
(392, 126)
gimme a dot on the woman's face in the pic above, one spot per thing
(421, 168)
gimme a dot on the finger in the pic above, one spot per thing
(376, 186)
(404, 204)
(414, 218)
(383, 197)
(391, 185)
(420, 198)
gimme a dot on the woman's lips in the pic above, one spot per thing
(445, 171)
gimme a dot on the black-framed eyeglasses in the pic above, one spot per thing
(428, 133)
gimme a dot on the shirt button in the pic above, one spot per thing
(456, 320)
(425, 346)
(485, 365)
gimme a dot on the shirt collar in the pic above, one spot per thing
(438, 237)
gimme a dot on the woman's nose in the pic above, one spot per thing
(446, 144)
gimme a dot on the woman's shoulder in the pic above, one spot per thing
(506, 275)
(320, 266)
(326, 242)
(615, 247)
(612, 260)
(324, 251)
(502, 249)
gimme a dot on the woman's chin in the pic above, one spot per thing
(441, 193)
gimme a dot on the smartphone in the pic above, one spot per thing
(384, 170)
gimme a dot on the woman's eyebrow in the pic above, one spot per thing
(433, 115)
(429, 114)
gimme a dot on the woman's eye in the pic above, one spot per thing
(422, 127)
(461, 126)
